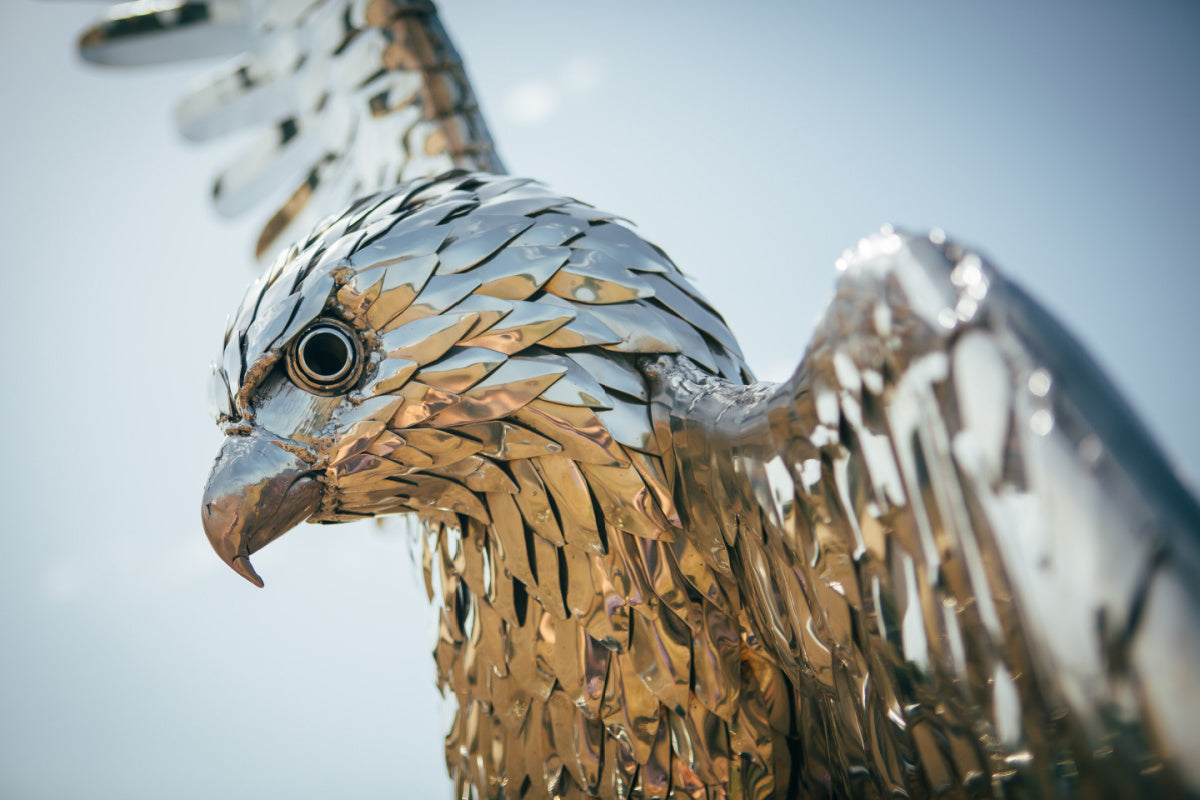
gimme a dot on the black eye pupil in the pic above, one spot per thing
(325, 355)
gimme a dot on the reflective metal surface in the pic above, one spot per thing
(941, 560)
(351, 96)
(948, 534)
(919, 567)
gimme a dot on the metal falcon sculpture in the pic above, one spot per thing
(942, 559)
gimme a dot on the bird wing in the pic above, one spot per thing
(960, 545)
(350, 97)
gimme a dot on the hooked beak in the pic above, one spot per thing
(256, 492)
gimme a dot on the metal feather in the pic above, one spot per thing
(943, 559)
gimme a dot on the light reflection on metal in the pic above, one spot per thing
(942, 559)
(325, 359)
(351, 96)
(653, 576)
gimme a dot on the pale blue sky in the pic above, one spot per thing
(1060, 137)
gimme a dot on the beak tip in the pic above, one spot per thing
(241, 565)
(257, 490)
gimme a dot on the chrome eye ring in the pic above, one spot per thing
(326, 358)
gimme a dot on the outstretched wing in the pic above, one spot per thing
(974, 566)
(351, 96)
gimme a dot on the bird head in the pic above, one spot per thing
(394, 360)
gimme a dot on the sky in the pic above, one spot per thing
(754, 143)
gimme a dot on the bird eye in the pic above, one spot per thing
(325, 359)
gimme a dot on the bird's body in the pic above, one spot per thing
(501, 401)
(941, 559)
(653, 579)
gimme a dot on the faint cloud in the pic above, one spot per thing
(61, 584)
(531, 103)
(582, 74)
(536, 101)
